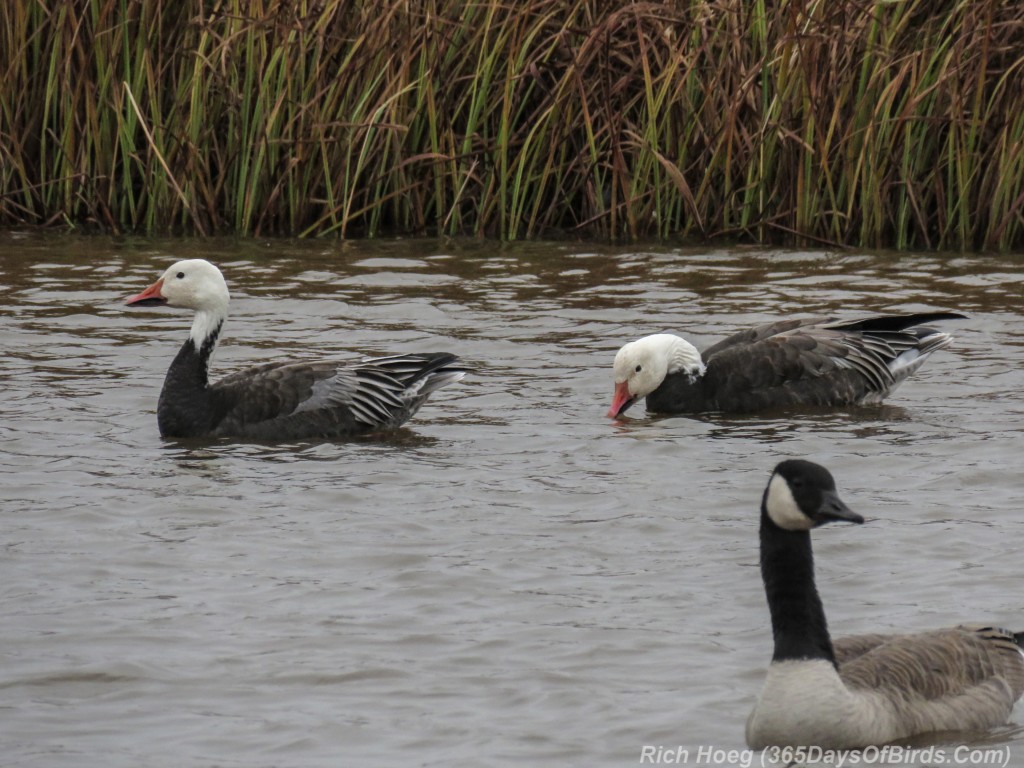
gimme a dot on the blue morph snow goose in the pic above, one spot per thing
(279, 401)
(865, 689)
(815, 362)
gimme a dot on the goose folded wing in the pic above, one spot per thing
(418, 374)
(941, 664)
(271, 391)
(848, 648)
(868, 355)
(749, 336)
(788, 358)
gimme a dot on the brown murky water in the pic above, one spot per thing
(511, 580)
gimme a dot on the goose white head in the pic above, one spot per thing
(801, 495)
(642, 365)
(194, 284)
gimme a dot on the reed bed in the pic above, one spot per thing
(875, 123)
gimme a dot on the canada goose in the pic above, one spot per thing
(815, 361)
(868, 689)
(279, 401)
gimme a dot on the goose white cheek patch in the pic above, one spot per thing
(782, 507)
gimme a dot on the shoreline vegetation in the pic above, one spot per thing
(869, 123)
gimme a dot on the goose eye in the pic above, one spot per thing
(639, 368)
(181, 275)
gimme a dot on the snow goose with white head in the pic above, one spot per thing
(279, 401)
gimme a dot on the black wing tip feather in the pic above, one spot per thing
(420, 364)
(442, 369)
(898, 322)
(446, 361)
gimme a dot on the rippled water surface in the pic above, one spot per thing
(512, 579)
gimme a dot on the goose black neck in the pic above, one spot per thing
(185, 408)
(798, 619)
(680, 392)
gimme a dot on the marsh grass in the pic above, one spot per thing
(868, 122)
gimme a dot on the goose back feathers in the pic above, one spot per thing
(866, 689)
(279, 401)
(810, 362)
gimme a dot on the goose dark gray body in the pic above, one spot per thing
(280, 401)
(291, 401)
(795, 362)
(865, 689)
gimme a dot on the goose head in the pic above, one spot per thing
(801, 495)
(194, 284)
(642, 365)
